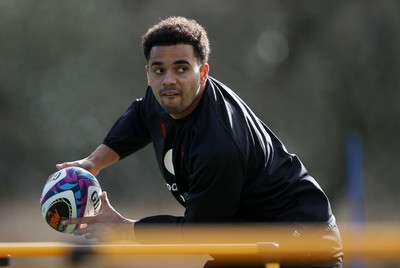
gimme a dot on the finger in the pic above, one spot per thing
(80, 232)
(89, 236)
(88, 232)
(83, 220)
(105, 203)
(63, 165)
(106, 206)
(104, 198)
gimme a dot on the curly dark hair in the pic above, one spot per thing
(177, 30)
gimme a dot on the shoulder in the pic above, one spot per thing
(222, 104)
(231, 114)
(229, 109)
(221, 119)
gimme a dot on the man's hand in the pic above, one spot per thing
(101, 158)
(83, 163)
(109, 225)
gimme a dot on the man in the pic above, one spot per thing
(219, 160)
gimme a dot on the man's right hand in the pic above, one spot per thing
(83, 163)
(101, 158)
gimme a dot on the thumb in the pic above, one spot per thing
(105, 203)
(104, 197)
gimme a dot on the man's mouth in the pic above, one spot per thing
(169, 92)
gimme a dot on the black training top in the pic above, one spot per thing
(221, 162)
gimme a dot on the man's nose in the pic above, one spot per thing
(169, 78)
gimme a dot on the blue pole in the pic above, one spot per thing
(355, 184)
(355, 177)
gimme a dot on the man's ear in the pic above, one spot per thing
(147, 74)
(204, 69)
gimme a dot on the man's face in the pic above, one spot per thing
(176, 78)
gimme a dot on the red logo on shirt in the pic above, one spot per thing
(163, 130)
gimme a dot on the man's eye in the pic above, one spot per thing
(182, 69)
(157, 71)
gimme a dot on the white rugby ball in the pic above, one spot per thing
(69, 193)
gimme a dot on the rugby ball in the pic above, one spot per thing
(69, 193)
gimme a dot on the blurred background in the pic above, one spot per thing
(323, 75)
